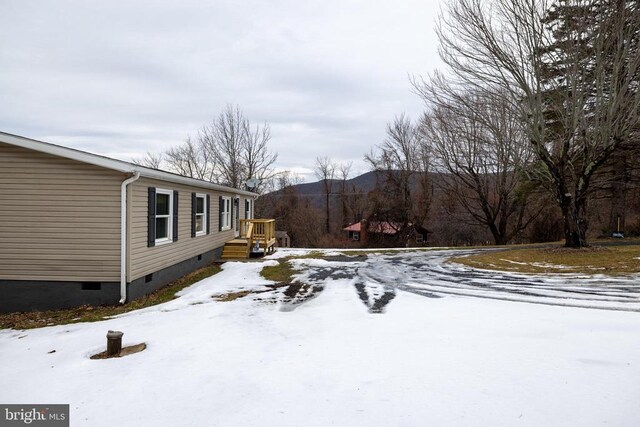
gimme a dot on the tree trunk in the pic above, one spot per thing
(618, 194)
(499, 240)
(498, 237)
(328, 226)
(575, 222)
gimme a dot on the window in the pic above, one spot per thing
(164, 209)
(248, 214)
(419, 238)
(225, 213)
(201, 214)
(162, 218)
(356, 235)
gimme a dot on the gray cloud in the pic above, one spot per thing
(123, 78)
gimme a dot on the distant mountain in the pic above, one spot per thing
(314, 191)
(365, 182)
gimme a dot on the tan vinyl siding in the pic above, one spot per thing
(59, 218)
(144, 260)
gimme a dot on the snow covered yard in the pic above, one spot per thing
(397, 339)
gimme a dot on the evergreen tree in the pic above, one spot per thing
(589, 76)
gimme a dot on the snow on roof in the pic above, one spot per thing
(113, 164)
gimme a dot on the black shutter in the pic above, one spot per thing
(246, 208)
(220, 209)
(175, 216)
(234, 206)
(208, 213)
(194, 202)
(151, 221)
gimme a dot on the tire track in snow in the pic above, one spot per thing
(430, 273)
(378, 277)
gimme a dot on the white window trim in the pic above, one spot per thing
(226, 214)
(203, 215)
(169, 238)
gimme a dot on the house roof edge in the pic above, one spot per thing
(113, 164)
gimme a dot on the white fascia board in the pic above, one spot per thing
(179, 179)
(68, 153)
(113, 164)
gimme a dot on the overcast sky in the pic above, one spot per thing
(120, 78)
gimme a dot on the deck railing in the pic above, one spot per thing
(261, 231)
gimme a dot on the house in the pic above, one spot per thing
(77, 228)
(359, 231)
(384, 232)
(283, 240)
(354, 231)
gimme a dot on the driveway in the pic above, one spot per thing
(377, 277)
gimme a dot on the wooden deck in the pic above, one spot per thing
(256, 236)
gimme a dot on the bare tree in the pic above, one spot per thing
(227, 151)
(238, 150)
(191, 159)
(478, 143)
(224, 140)
(281, 180)
(293, 212)
(343, 170)
(578, 107)
(325, 171)
(150, 160)
(402, 166)
(257, 159)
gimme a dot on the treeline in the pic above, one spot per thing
(539, 97)
(531, 133)
(228, 151)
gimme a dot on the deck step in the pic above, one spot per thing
(242, 254)
(238, 248)
(235, 249)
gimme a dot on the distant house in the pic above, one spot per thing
(381, 231)
(354, 231)
(79, 228)
(283, 240)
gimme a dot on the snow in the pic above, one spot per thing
(286, 252)
(514, 262)
(334, 354)
(540, 264)
(547, 265)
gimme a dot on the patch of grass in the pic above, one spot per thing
(612, 260)
(364, 252)
(310, 255)
(86, 313)
(281, 273)
(387, 251)
(232, 296)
